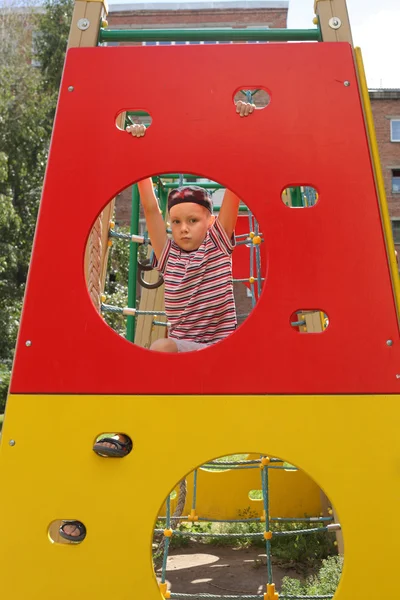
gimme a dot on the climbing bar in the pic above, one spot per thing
(255, 461)
(138, 239)
(206, 186)
(210, 34)
(130, 311)
(241, 208)
(256, 520)
(225, 467)
(247, 535)
(247, 597)
(162, 323)
(248, 280)
(301, 519)
(214, 597)
(298, 323)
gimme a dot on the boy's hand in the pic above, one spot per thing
(136, 130)
(244, 109)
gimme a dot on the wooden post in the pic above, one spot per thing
(333, 20)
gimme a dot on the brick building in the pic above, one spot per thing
(225, 13)
(386, 111)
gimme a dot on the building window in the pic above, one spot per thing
(395, 130)
(396, 230)
(396, 181)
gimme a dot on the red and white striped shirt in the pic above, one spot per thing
(199, 300)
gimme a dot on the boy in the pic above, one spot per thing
(196, 263)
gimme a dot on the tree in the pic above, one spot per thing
(28, 96)
(51, 40)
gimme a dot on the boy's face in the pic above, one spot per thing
(190, 223)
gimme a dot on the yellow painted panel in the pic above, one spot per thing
(224, 495)
(51, 472)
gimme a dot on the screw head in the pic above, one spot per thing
(346, 83)
(389, 342)
(12, 442)
(83, 24)
(28, 343)
(335, 23)
(71, 88)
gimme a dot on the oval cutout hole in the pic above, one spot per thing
(133, 117)
(113, 445)
(258, 96)
(309, 321)
(300, 196)
(67, 531)
(255, 495)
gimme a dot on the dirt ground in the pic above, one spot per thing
(220, 570)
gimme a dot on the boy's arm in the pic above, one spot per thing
(229, 212)
(230, 203)
(154, 220)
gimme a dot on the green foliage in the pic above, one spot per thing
(51, 42)
(28, 98)
(238, 528)
(325, 582)
(4, 383)
(302, 548)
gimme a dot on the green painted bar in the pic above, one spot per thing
(209, 34)
(206, 186)
(133, 252)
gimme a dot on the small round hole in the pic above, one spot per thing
(133, 117)
(67, 531)
(113, 445)
(254, 95)
(309, 321)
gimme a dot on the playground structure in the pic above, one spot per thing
(65, 354)
(229, 490)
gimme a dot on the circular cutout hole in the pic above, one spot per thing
(133, 303)
(223, 535)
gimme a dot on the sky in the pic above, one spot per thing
(375, 25)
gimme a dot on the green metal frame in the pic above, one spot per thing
(210, 35)
(133, 253)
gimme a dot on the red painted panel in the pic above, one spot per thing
(331, 256)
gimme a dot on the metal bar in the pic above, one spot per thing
(133, 252)
(206, 186)
(209, 34)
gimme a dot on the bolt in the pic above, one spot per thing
(28, 343)
(335, 23)
(346, 83)
(389, 343)
(397, 375)
(71, 88)
(83, 24)
(12, 442)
